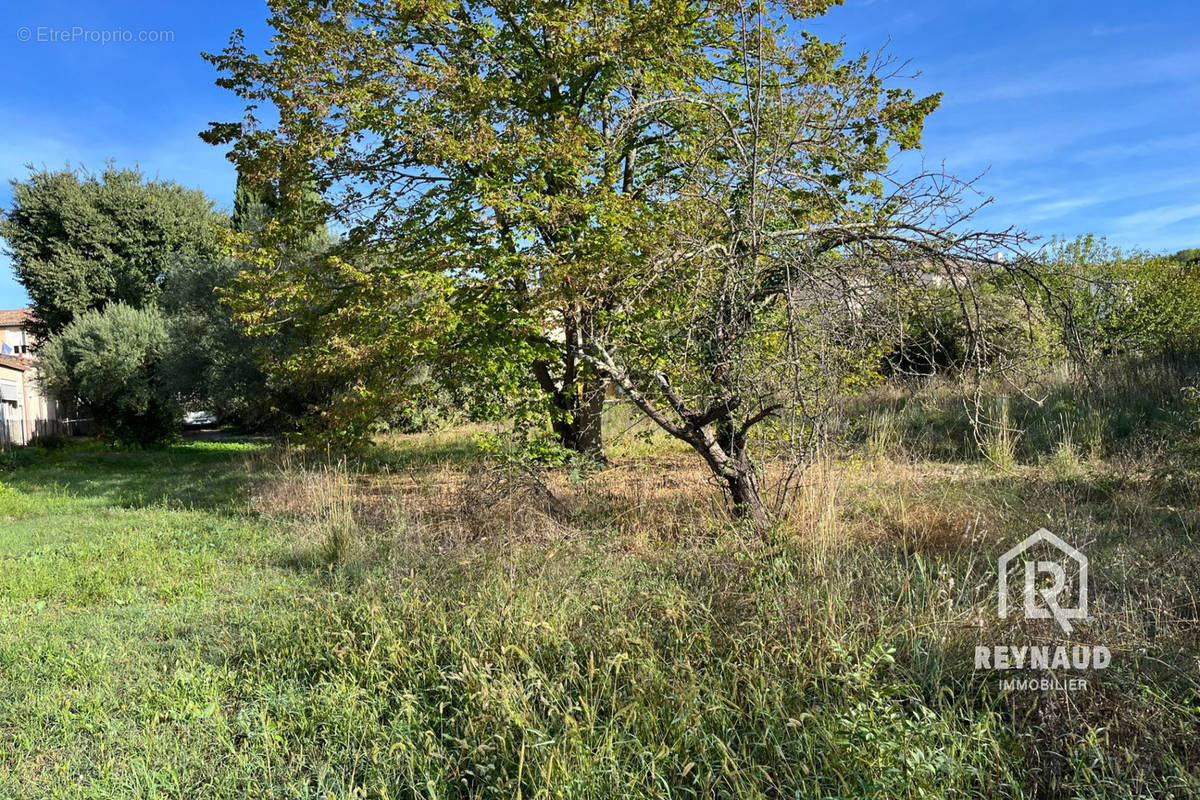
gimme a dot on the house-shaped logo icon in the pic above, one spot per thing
(1047, 595)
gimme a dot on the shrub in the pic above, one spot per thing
(1116, 303)
(937, 337)
(108, 362)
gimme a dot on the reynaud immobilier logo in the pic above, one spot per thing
(1048, 583)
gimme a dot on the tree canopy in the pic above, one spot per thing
(692, 200)
(79, 241)
(505, 156)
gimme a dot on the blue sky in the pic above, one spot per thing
(1080, 115)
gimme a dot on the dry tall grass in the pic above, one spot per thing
(881, 575)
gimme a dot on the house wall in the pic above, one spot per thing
(44, 413)
(16, 338)
(32, 413)
(14, 426)
(36, 414)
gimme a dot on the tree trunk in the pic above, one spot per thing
(581, 426)
(578, 402)
(588, 418)
(578, 423)
(747, 499)
(741, 478)
(719, 441)
(578, 393)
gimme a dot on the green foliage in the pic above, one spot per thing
(1189, 257)
(549, 198)
(83, 242)
(501, 188)
(80, 241)
(936, 336)
(110, 363)
(341, 337)
(253, 205)
(1118, 302)
(210, 362)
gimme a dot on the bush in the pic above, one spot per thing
(1126, 303)
(108, 362)
(938, 337)
(211, 364)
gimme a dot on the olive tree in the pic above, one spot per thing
(109, 361)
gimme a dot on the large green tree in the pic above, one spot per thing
(503, 156)
(767, 301)
(79, 241)
(215, 363)
(692, 200)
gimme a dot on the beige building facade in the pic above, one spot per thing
(25, 410)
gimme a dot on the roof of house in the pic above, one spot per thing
(15, 316)
(12, 362)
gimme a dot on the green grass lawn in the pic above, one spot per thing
(128, 580)
(160, 636)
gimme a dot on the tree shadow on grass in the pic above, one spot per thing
(195, 475)
(423, 452)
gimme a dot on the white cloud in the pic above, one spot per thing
(1158, 218)
(1134, 149)
(1102, 31)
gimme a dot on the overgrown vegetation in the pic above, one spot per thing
(85, 245)
(213, 620)
(602, 258)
